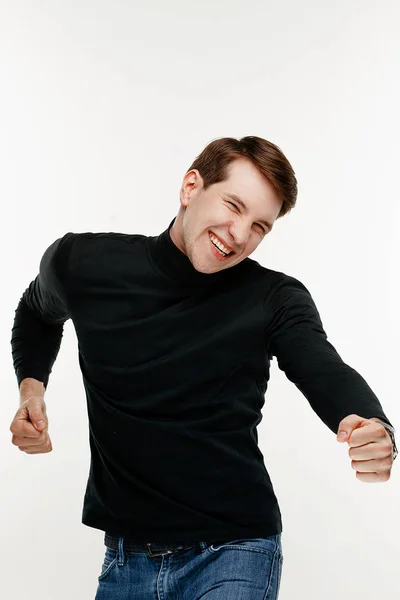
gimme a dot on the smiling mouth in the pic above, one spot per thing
(221, 252)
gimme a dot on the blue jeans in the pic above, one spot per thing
(245, 569)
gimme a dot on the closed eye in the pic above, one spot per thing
(258, 225)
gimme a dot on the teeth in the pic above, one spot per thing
(220, 251)
(219, 245)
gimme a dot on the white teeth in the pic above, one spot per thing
(218, 243)
(220, 251)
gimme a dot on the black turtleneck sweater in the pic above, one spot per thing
(175, 365)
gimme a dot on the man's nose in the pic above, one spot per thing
(240, 235)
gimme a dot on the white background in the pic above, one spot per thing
(103, 107)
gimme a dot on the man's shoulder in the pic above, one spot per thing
(275, 286)
(96, 243)
(98, 237)
(96, 254)
(270, 276)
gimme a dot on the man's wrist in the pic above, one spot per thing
(30, 387)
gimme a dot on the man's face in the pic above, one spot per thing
(211, 217)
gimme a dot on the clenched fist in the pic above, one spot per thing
(30, 427)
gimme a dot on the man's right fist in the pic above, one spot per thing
(30, 427)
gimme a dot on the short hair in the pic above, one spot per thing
(214, 160)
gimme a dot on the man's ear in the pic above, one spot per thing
(192, 182)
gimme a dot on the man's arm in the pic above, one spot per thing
(39, 319)
(295, 335)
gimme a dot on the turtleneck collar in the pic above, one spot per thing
(174, 264)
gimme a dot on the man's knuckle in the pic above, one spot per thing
(389, 447)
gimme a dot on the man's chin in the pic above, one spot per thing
(208, 269)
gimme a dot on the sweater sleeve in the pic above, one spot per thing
(40, 315)
(297, 339)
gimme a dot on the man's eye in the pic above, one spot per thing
(261, 228)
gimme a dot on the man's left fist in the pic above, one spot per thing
(370, 447)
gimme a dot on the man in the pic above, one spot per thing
(176, 333)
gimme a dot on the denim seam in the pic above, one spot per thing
(108, 569)
(276, 555)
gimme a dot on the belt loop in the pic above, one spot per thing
(203, 546)
(120, 556)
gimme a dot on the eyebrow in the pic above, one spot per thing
(242, 204)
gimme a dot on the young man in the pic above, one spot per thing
(176, 333)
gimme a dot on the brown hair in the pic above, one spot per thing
(213, 161)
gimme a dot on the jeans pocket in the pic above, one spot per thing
(267, 545)
(110, 560)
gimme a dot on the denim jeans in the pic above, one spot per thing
(243, 569)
